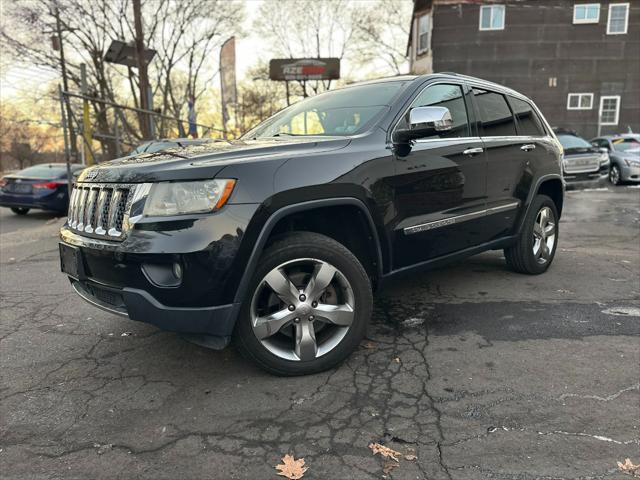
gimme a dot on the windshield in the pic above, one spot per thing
(571, 141)
(625, 144)
(339, 112)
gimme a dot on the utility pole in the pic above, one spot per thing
(65, 83)
(142, 71)
(87, 131)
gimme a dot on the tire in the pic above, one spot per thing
(20, 210)
(615, 175)
(283, 346)
(523, 257)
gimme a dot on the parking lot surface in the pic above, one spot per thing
(476, 371)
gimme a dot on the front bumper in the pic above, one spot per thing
(141, 306)
(589, 179)
(133, 277)
(630, 173)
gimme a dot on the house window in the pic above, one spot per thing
(586, 13)
(618, 19)
(580, 101)
(423, 34)
(609, 109)
(492, 17)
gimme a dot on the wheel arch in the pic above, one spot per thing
(276, 223)
(551, 185)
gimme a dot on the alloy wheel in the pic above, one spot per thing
(544, 235)
(614, 175)
(302, 309)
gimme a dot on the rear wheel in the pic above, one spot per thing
(536, 245)
(20, 210)
(614, 174)
(308, 306)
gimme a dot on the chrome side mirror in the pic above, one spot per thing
(429, 119)
(424, 122)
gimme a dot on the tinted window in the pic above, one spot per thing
(495, 115)
(451, 97)
(528, 121)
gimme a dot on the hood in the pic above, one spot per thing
(192, 162)
(581, 151)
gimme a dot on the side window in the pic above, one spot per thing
(451, 97)
(528, 121)
(495, 116)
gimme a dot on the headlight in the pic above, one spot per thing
(179, 198)
(604, 159)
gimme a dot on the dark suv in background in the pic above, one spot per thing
(278, 239)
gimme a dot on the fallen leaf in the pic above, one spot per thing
(369, 345)
(291, 468)
(388, 466)
(384, 451)
(411, 458)
(629, 467)
(397, 359)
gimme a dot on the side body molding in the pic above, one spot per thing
(299, 207)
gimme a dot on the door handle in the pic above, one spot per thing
(473, 151)
(528, 147)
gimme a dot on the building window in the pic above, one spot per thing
(618, 19)
(423, 34)
(580, 101)
(609, 109)
(586, 13)
(492, 17)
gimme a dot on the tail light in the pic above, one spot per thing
(48, 185)
(3, 182)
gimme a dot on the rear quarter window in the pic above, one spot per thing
(528, 121)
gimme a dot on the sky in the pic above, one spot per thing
(15, 80)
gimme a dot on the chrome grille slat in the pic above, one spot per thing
(100, 210)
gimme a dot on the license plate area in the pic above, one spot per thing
(21, 188)
(71, 261)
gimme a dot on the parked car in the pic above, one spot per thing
(279, 238)
(583, 164)
(624, 152)
(42, 187)
(165, 143)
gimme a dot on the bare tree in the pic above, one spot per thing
(308, 28)
(185, 35)
(381, 34)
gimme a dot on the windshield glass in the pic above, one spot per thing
(339, 112)
(571, 141)
(625, 144)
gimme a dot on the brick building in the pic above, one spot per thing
(578, 60)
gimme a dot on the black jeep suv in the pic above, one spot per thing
(278, 239)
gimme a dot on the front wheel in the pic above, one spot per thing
(614, 174)
(535, 248)
(308, 306)
(20, 210)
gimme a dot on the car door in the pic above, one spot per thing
(507, 157)
(439, 185)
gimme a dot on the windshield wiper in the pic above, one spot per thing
(285, 134)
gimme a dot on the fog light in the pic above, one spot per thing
(177, 270)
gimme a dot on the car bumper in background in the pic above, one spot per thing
(589, 179)
(630, 174)
(52, 201)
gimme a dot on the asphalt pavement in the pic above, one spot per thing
(470, 372)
